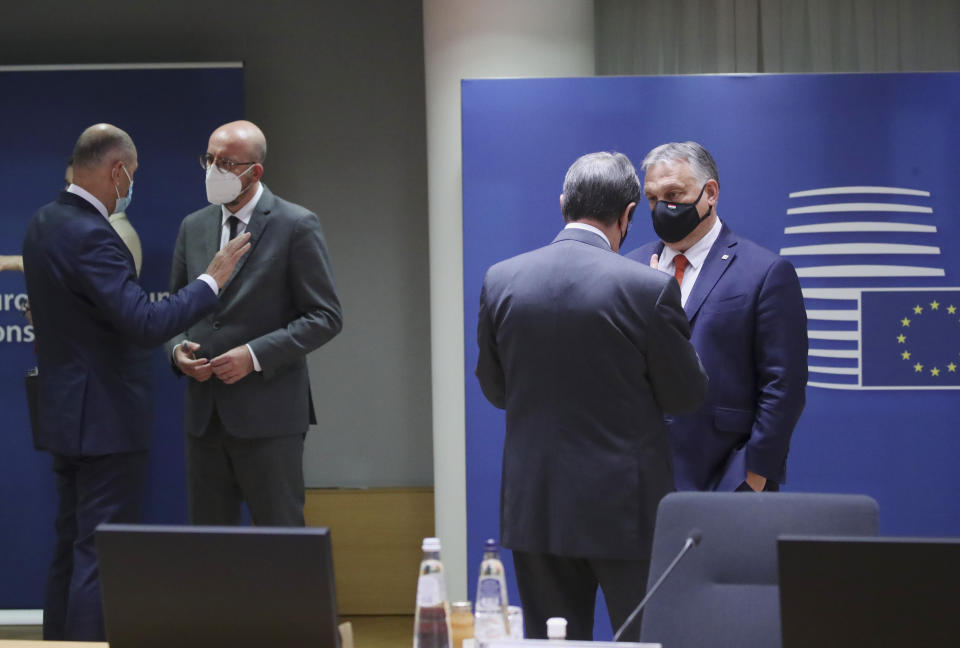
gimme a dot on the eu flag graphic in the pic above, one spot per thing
(872, 270)
(911, 338)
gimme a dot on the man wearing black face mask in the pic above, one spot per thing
(585, 350)
(748, 324)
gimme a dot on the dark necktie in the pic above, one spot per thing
(679, 266)
(234, 223)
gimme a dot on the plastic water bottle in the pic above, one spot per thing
(431, 624)
(490, 613)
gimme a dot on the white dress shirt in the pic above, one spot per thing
(90, 198)
(696, 254)
(589, 228)
(243, 215)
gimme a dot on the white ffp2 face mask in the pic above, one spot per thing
(223, 186)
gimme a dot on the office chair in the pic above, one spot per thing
(724, 592)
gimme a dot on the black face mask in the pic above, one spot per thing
(673, 221)
(623, 237)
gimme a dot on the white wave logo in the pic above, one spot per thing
(869, 271)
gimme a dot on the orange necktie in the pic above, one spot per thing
(679, 266)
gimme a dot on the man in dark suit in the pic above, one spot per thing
(748, 324)
(95, 326)
(248, 401)
(585, 350)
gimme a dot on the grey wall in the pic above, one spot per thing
(776, 36)
(338, 88)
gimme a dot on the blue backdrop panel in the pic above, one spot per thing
(170, 113)
(851, 177)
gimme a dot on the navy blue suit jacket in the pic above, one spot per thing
(749, 325)
(95, 326)
(585, 350)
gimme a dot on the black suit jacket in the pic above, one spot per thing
(585, 350)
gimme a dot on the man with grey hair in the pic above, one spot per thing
(95, 326)
(586, 351)
(748, 324)
(248, 404)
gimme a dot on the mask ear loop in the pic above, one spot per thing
(244, 190)
(709, 206)
(129, 179)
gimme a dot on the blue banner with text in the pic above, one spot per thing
(850, 177)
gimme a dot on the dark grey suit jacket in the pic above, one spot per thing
(280, 300)
(585, 350)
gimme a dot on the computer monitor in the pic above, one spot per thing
(200, 587)
(868, 591)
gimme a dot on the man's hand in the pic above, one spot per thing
(654, 261)
(197, 368)
(233, 365)
(755, 481)
(226, 259)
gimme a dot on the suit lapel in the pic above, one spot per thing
(211, 233)
(719, 258)
(644, 252)
(258, 221)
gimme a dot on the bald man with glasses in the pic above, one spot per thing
(248, 401)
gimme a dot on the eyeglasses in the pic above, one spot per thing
(207, 160)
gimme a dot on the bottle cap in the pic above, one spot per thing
(556, 628)
(431, 544)
(490, 545)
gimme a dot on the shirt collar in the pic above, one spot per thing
(90, 198)
(697, 253)
(245, 212)
(589, 228)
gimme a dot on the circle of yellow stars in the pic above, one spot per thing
(902, 339)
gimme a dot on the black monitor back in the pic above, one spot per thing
(869, 591)
(217, 586)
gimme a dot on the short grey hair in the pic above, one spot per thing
(599, 186)
(701, 162)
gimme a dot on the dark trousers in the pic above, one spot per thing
(224, 471)
(91, 490)
(567, 587)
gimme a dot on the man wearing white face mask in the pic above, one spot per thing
(248, 402)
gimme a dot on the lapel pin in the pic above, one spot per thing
(725, 257)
